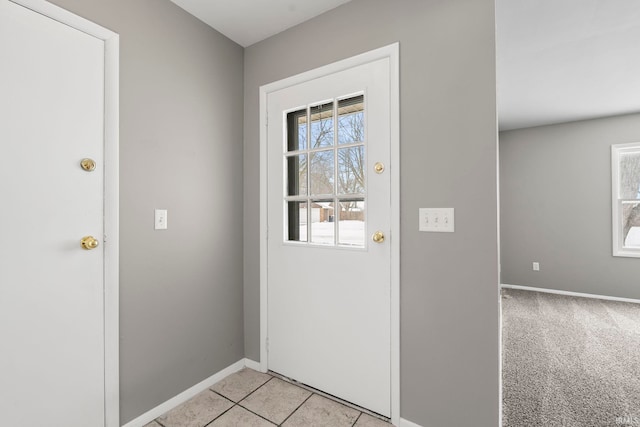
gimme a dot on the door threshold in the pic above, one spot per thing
(331, 397)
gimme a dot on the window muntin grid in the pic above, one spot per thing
(325, 170)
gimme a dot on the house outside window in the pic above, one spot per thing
(625, 167)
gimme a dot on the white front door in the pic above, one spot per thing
(329, 282)
(52, 369)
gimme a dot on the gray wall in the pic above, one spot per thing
(449, 290)
(181, 149)
(555, 201)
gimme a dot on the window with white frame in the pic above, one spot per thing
(625, 167)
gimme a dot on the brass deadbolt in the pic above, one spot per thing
(378, 167)
(88, 165)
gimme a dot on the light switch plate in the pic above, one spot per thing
(160, 219)
(439, 220)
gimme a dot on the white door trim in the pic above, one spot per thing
(393, 53)
(111, 194)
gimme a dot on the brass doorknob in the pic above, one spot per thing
(88, 243)
(88, 165)
(378, 237)
(378, 167)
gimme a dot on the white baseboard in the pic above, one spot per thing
(251, 364)
(407, 423)
(568, 293)
(154, 413)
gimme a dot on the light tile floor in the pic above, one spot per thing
(252, 399)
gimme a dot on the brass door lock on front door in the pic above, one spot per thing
(89, 242)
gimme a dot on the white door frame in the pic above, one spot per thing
(111, 194)
(393, 53)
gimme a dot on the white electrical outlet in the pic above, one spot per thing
(436, 219)
(160, 219)
(536, 266)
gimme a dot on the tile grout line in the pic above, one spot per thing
(332, 397)
(257, 415)
(295, 410)
(264, 418)
(225, 398)
(258, 388)
(234, 404)
(356, 421)
(239, 405)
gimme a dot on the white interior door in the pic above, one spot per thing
(52, 368)
(328, 193)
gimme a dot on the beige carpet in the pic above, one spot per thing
(569, 361)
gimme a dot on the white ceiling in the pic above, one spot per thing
(249, 21)
(557, 60)
(566, 60)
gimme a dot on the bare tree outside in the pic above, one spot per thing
(326, 166)
(322, 162)
(351, 178)
(351, 159)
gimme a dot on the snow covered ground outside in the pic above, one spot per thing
(633, 238)
(351, 233)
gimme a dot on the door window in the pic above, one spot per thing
(325, 168)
